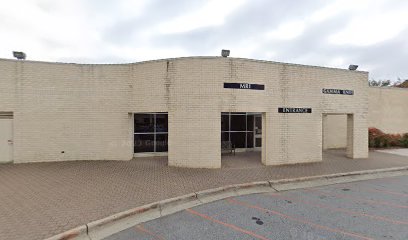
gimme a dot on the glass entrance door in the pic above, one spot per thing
(258, 131)
(243, 129)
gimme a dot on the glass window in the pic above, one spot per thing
(161, 142)
(250, 123)
(239, 128)
(161, 123)
(250, 140)
(238, 139)
(150, 132)
(144, 143)
(238, 122)
(224, 122)
(144, 123)
(225, 136)
(258, 125)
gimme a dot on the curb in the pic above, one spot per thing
(105, 227)
(78, 233)
(117, 222)
(177, 204)
(322, 180)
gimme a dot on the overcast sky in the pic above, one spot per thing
(370, 33)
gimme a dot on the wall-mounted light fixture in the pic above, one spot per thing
(19, 55)
(225, 53)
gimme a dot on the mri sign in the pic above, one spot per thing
(245, 86)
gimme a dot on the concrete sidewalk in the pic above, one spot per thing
(38, 200)
(398, 151)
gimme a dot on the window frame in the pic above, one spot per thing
(154, 133)
(246, 131)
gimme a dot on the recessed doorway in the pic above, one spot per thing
(337, 134)
(243, 131)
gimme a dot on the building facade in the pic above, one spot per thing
(182, 107)
(387, 111)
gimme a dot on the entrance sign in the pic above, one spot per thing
(337, 91)
(294, 110)
(245, 86)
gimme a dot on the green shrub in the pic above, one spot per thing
(404, 140)
(383, 141)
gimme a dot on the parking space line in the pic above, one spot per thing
(297, 219)
(144, 230)
(252, 234)
(372, 202)
(319, 205)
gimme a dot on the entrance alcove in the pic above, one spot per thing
(243, 130)
(338, 134)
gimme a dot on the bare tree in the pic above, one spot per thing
(379, 83)
(402, 83)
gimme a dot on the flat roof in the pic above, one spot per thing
(184, 58)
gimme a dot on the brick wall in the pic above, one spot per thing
(67, 111)
(387, 111)
(84, 110)
(334, 131)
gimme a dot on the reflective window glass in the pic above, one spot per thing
(161, 142)
(144, 123)
(250, 140)
(224, 122)
(143, 143)
(161, 123)
(238, 139)
(238, 122)
(224, 136)
(150, 132)
(250, 122)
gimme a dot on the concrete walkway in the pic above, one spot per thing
(399, 151)
(39, 200)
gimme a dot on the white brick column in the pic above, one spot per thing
(325, 128)
(357, 136)
(195, 138)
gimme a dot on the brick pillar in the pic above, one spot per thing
(357, 136)
(271, 134)
(325, 131)
(194, 138)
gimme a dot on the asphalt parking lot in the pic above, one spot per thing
(372, 209)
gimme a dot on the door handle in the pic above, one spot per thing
(10, 141)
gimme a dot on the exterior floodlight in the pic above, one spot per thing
(225, 53)
(353, 67)
(19, 55)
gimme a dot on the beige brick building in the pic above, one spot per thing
(387, 111)
(184, 107)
